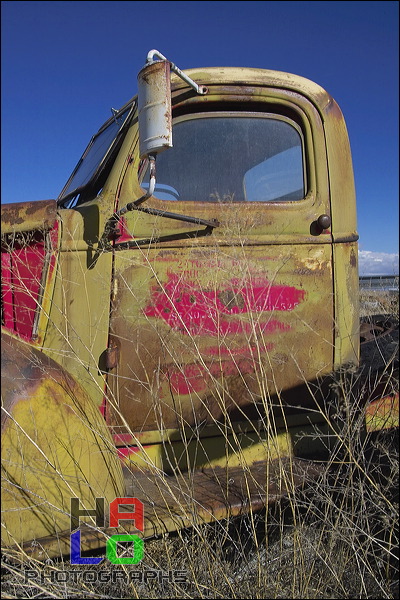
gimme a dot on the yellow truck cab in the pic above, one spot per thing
(185, 301)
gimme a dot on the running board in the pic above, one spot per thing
(189, 500)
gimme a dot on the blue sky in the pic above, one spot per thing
(65, 64)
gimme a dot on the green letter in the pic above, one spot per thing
(138, 550)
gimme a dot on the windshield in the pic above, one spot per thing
(232, 157)
(95, 155)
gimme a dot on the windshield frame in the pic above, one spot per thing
(68, 198)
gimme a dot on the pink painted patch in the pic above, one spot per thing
(122, 438)
(124, 233)
(244, 352)
(125, 453)
(194, 311)
(196, 378)
(22, 267)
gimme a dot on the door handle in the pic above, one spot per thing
(324, 221)
(321, 224)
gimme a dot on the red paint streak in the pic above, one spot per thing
(103, 407)
(195, 311)
(26, 274)
(124, 453)
(197, 378)
(122, 438)
(124, 233)
(22, 271)
(6, 291)
(243, 352)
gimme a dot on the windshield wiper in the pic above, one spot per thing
(137, 204)
(176, 216)
(111, 233)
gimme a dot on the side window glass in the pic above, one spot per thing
(276, 179)
(232, 157)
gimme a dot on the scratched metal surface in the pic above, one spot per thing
(204, 333)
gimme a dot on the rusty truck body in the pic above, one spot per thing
(177, 311)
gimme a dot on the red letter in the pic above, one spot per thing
(136, 516)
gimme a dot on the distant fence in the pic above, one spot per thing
(387, 283)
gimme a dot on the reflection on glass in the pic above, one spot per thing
(279, 178)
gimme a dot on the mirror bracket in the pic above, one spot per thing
(200, 89)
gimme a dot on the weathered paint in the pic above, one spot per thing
(201, 329)
(382, 413)
(275, 301)
(236, 449)
(192, 498)
(183, 306)
(28, 216)
(28, 261)
(77, 335)
(54, 446)
(194, 311)
(346, 291)
(154, 108)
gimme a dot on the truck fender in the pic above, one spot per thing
(55, 446)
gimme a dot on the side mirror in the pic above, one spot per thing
(155, 121)
(154, 108)
(154, 103)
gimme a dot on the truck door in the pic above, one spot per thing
(210, 321)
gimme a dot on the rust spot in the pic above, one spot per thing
(24, 369)
(353, 258)
(305, 271)
(280, 358)
(112, 356)
(12, 218)
(25, 216)
(231, 299)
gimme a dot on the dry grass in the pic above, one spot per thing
(338, 539)
(335, 538)
(378, 301)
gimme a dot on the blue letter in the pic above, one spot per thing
(76, 558)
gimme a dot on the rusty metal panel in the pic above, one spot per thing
(172, 503)
(27, 216)
(209, 327)
(154, 109)
(55, 445)
(210, 331)
(250, 79)
(341, 177)
(214, 325)
(78, 328)
(28, 267)
(346, 292)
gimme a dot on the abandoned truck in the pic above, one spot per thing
(171, 320)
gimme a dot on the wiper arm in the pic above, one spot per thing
(136, 205)
(110, 230)
(169, 215)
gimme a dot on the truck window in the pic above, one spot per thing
(232, 157)
(96, 158)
